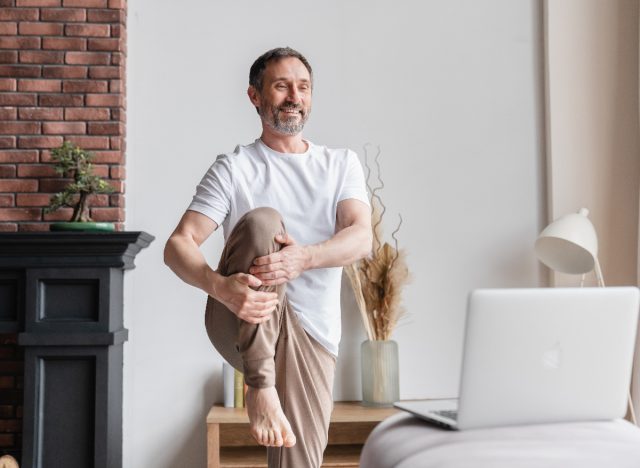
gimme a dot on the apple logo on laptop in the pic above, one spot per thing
(552, 358)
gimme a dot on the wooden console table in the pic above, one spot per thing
(229, 443)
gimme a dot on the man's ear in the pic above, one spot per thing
(254, 96)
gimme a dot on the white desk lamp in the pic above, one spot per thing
(570, 245)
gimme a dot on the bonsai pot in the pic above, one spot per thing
(82, 226)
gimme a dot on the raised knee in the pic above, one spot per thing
(264, 218)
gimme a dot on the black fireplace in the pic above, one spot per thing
(61, 308)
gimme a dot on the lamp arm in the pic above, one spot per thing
(632, 411)
(599, 273)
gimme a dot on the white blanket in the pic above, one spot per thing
(403, 441)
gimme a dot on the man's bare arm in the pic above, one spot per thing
(182, 251)
(351, 242)
(182, 254)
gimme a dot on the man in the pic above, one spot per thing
(293, 214)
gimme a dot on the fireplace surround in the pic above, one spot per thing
(61, 294)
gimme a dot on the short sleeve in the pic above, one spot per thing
(213, 193)
(354, 185)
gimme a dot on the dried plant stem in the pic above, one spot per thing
(378, 280)
(354, 277)
(382, 384)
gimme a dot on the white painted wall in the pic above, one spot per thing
(451, 90)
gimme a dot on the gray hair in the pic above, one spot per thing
(256, 73)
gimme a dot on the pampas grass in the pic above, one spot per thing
(377, 280)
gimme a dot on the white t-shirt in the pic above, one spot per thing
(305, 188)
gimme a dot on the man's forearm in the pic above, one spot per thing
(345, 247)
(185, 259)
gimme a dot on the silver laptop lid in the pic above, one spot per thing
(547, 355)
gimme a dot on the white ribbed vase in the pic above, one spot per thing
(380, 378)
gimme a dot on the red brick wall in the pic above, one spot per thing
(62, 71)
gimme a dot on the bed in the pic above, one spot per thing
(404, 441)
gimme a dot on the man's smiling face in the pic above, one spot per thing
(284, 103)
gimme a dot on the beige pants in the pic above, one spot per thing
(276, 352)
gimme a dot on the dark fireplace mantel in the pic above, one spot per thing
(113, 249)
(62, 294)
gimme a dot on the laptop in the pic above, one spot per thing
(541, 355)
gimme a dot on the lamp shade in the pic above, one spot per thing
(569, 244)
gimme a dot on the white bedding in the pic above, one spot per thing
(403, 441)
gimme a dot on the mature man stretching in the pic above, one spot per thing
(293, 214)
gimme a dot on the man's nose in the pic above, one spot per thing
(293, 95)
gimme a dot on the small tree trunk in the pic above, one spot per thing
(81, 213)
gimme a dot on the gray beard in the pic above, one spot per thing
(283, 126)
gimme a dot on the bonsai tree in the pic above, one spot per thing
(73, 161)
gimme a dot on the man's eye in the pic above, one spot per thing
(281, 86)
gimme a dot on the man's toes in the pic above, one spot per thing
(258, 434)
(278, 441)
(289, 439)
(271, 438)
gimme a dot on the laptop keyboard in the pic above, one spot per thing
(451, 414)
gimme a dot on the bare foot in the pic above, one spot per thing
(269, 425)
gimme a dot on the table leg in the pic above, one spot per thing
(213, 445)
